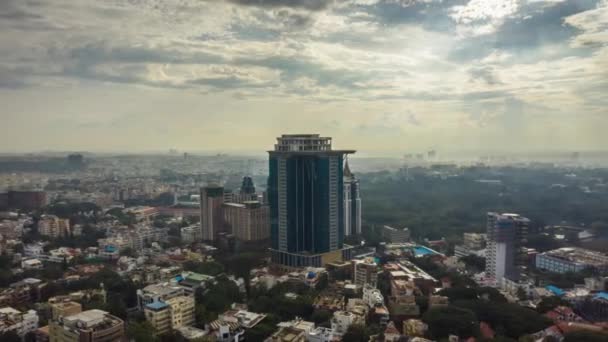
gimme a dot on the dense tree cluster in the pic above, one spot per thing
(434, 207)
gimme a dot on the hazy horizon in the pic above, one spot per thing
(379, 76)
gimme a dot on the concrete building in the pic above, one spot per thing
(342, 320)
(88, 326)
(473, 244)
(212, 222)
(372, 296)
(352, 203)
(248, 221)
(158, 293)
(438, 301)
(26, 199)
(474, 241)
(170, 314)
(191, 234)
(18, 322)
(506, 238)
(572, 259)
(365, 272)
(294, 331)
(53, 226)
(395, 235)
(414, 328)
(64, 308)
(306, 197)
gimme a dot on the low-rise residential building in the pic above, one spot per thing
(342, 320)
(572, 259)
(293, 331)
(158, 293)
(53, 226)
(190, 281)
(395, 235)
(474, 243)
(231, 325)
(191, 234)
(365, 272)
(245, 319)
(18, 322)
(170, 314)
(88, 326)
(414, 328)
(64, 307)
(438, 301)
(191, 333)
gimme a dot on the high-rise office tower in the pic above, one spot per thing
(506, 237)
(212, 199)
(306, 197)
(247, 187)
(352, 203)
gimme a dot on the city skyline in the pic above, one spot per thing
(381, 75)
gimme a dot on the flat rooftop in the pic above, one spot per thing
(579, 255)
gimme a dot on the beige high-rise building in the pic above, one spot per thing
(365, 272)
(249, 221)
(171, 314)
(88, 326)
(53, 226)
(212, 199)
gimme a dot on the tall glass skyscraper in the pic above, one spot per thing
(306, 197)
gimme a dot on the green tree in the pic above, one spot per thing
(10, 336)
(141, 332)
(507, 319)
(321, 317)
(586, 336)
(521, 294)
(474, 262)
(356, 333)
(210, 268)
(451, 320)
(549, 303)
(129, 252)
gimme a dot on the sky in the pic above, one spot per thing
(379, 76)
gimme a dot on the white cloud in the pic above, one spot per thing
(214, 63)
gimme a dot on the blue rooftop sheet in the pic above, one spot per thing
(156, 305)
(602, 295)
(422, 250)
(556, 290)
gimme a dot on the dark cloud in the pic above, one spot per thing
(486, 74)
(311, 5)
(537, 25)
(292, 68)
(11, 78)
(102, 52)
(10, 10)
(228, 82)
(430, 15)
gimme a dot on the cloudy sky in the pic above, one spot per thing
(377, 75)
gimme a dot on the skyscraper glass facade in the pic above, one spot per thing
(305, 193)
